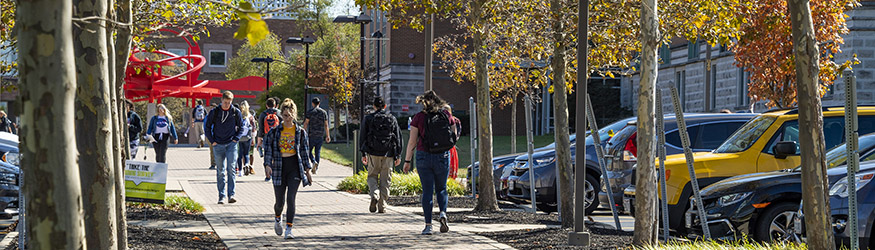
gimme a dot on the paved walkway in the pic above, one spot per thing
(325, 218)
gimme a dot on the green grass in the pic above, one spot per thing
(174, 202)
(739, 245)
(342, 153)
(401, 184)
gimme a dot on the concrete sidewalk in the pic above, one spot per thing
(325, 218)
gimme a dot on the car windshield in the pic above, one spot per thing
(747, 135)
(603, 132)
(838, 156)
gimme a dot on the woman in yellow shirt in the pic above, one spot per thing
(286, 161)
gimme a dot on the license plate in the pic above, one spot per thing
(627, 205)
(510, 185)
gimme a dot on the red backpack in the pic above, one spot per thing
(270, 120)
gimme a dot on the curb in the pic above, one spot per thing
(7, 240)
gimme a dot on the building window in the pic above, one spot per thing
(179, 52)
(218, 58)
(743, 83)
(693, 50)
(665, 54)
(682, 88)
(712, 102)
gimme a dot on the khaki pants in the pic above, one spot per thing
(379, 168)
(198, 132)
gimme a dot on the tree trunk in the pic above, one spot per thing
(560, 119)
(486, 201)
(122, 51)
(645, 199)
(46, 71)
(811, 141)
(513, 126)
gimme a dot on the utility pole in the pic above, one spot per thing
(429, 44)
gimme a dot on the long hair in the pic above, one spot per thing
(166, 112)
(430, 102)
(289, 105)
(244, 109)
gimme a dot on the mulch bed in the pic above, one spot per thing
(500, 217)
(556, 238)
(155, 238)
(151, 213)
(453, 201)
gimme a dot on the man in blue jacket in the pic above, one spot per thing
(224, 127)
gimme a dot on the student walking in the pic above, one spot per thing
(381, 147)
(454, 153)
(5, 124)
(246, 141)
(212, 152)
(316, 124)
(135, 126)
(199, 114)
(287, 162)
(432, 134)
(224, 127)
(267, 120)
(161, 128)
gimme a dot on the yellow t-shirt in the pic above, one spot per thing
(287, 140)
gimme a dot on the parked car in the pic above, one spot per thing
(762, 204)
(707, 132)
(501, 173)
(9, 174)
(545, 168)
(766, 143)
(838, 200)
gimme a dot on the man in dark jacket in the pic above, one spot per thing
(316, 124)
(5, 124)
(135, 126)
(224, 127)
(381, 147)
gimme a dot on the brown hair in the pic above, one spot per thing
(227, 95)
(289, 105)
(431, 102)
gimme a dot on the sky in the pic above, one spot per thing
(344, 7)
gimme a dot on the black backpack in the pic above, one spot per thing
(438, 136)
(381, 133)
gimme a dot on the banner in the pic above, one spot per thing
(145, 181)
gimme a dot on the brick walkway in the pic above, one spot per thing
(325, 218)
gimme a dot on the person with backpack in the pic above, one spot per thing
(316, 124)
(135, 126)
(161, 128)
(224, 127)
(246, 141)
(267, 120)
(454, 152)
(6, 124)
(198, 114)
(286, 160)
(381, 147)
(212, 152)
(432, 133)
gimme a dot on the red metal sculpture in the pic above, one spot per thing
(144, 80)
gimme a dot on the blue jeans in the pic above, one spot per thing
(226, 155)
(316, 148)
(243, 153)
(433, 170)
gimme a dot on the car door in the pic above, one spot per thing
(833, 127)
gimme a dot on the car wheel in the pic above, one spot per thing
(776, 224)
(591, 199)
(547, 208)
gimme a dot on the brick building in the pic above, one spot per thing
(683, 66)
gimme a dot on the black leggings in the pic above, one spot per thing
(291, 180)
(161, 147)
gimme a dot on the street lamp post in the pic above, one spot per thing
(377, 35)
(267, 60)
(361, 19)
(306, 41)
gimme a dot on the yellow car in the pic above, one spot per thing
(768, 142)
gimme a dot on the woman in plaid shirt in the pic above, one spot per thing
(286, 161)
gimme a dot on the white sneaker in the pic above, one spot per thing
(278, 228)
(427, 230)
(289, 234)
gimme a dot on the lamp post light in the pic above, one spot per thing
(267, 60)
(306, 41)
(361, 19)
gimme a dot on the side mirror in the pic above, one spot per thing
(785, 148)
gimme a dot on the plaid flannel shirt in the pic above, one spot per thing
(274, 158)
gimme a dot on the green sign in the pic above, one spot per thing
(145, 181)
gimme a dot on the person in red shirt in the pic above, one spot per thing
(432, 134)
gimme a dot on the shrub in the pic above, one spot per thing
(401, 184)
(735, 245)
(174, 202)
